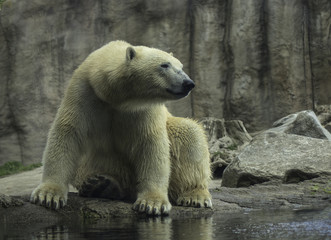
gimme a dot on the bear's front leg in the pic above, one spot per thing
(153, 172)
(190, 172)
(59, 160)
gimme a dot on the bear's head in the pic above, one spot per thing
(129, 76)
(156, 74)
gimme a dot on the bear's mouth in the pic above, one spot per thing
(182, 90)
(178, 95)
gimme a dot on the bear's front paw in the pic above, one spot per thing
(50, 195)
(195, 198)
(152, 204)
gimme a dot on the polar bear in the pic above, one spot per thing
(113, 122)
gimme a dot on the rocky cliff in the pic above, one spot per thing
(252, 60)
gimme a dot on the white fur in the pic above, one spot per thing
(113, 121)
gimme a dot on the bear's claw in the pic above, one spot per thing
(196, 198)
(152, 207)
(50, 196)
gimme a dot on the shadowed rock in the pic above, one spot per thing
(7, 201)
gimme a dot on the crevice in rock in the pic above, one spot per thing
(191, 23)
(218, 171)
(307, 57)
(310, 60)
(230, 202)
(13, 121)
(296, 176)
(89, 213)
(246, 180)
(264, 71)
(228, 59)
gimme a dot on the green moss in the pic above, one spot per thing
(1, 2)
(16, 167)
(232, 147)
(326, 188)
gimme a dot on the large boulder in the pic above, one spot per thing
(283, 154)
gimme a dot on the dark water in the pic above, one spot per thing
(300, 224)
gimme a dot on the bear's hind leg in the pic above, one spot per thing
(190, 163)
(101, 186)
(98, 178)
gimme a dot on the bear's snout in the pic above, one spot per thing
(188, 85)
(182, 89)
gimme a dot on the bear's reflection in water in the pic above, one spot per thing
(147, 229)
(249, 224)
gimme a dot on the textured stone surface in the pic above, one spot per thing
(297, 148)
(225, 140)
(319, 48)
(304, 123)
(309, 194)
(279, 156)
(217, 129)
(23, 183)
(42, 43)
(324, 116)
(7, 201)
(253, 60)
(229, 204)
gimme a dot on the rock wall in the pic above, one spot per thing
(252, 60)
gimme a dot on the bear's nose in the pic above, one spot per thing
(188, 85)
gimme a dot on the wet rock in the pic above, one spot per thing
(279, 156)
(276, 195)
(7, 201)
(272, 195)
(225, 140)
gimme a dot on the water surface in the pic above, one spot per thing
(290, 224)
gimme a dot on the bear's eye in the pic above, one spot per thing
(165, 65)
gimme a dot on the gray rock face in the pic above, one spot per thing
(293, 151)
(41, 44)
(251, 60)
(324, 116)
(310, 194)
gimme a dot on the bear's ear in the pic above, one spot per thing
(171, 54)
(130, 53)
